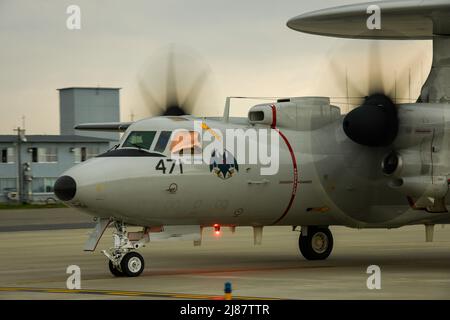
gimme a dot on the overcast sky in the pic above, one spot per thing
(245, 43)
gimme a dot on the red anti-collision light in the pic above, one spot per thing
(217, 229)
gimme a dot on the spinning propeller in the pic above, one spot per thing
(374, 122)
(172, 83)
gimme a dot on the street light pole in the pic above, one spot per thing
(20, 138)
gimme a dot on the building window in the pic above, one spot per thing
(34, 154)
(92, 152)
(85, 153)
(48, 184)
(37, 185)
(44, 155)
(43, 185)
(8, 155)
(80, 154)
(7, 185)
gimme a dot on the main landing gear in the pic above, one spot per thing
(123, 261)
(315, 243)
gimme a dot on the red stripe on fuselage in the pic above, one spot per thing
(274, 118)
(294, 164)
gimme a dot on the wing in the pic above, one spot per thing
(104, 126)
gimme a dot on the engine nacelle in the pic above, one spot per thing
(300, 113)
(410, 170)
(421, 186)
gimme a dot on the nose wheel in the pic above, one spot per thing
(315, 243)
(115, 271)
(131, 265)
(123, 260)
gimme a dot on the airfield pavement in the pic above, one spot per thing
(37, 245)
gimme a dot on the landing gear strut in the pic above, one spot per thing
(123, 261)
(315, 243)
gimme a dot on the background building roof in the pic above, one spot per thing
(89, 88)
(53, 138)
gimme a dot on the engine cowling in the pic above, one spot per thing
(411, 176)
(421, 186)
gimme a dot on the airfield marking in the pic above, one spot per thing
(130, 293)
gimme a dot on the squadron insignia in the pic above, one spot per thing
(223, 165)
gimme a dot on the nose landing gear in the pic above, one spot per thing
(315, 243)
(123, 261)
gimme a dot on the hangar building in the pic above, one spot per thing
(44, 157)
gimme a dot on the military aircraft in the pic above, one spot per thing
(381, 165)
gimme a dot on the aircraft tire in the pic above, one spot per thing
(317, 244)
(132, 264)
(115, 271)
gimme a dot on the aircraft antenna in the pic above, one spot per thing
(395, 87)
(409, 79)
(346, 90)
(421, 72)
(226, 111)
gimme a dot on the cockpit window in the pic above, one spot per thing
(163, 140)
(139, 139)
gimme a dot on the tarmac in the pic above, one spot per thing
(37, 246)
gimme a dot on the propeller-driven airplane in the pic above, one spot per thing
(382, 165)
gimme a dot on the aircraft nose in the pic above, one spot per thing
(65, 188)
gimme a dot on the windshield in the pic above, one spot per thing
(139, 139)
(162, 141)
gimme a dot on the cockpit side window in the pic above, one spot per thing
(139, 139)
(186, 142)
(162, 141)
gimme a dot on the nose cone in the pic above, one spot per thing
(65, 188)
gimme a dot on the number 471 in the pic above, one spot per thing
(168, 166)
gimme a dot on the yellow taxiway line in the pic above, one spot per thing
(168, 295)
